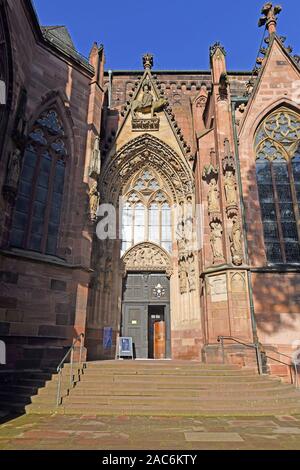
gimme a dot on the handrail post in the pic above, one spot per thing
(58, 396)
(258, 358)
(223, 350)
(221, 340)
(71, 367)
(81, 350)
(296, 374)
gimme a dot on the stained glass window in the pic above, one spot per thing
(38, 206)
(278, 178)
(146, 213)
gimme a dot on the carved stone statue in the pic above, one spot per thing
(191, 273)
(216, 240)
(147, 104)
(13, 170)
(183, 276)
(230, 189)
(94, 201)
(236, 242)
(213, 197)
(20, 121)
(95, 165)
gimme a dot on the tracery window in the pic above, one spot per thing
(146, 214)
(38, 207)
(5, 72)
(278, 176)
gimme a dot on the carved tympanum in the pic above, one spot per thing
(147, 257)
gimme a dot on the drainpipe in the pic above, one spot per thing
(243, 214)
(110, 74)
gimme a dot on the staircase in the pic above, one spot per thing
(168, 388)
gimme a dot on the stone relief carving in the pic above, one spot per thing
(186, 269)
(236, 242)
(232, 209)
(183, 276)
(213, 197)
(148, 150)
(230, 189)
(230, 184)
(216, 241)
(20, 123)
(94, 199)
(147, 257)
(147, 105)
(95, 165)
(13, 172)
(211, 176)
(192, 273)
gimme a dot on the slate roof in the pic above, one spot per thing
(60, 37)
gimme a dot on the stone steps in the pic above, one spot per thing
(169, 389)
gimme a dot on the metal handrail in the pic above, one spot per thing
(238, 341)
(62, 363)
(257, 347)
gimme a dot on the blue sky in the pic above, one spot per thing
(177, 32)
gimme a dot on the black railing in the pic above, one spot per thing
(292, 365)
(60, 367)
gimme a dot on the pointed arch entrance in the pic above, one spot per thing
(139, 276)
(146, 300)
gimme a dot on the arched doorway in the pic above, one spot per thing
(151, 188)
(146, 301)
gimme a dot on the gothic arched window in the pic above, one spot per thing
(38, 206)
(277, 147)
(5, 73)
(146, 214)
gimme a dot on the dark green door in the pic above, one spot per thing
(140, 292)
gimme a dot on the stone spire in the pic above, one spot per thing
(148, 61)
(269, 19)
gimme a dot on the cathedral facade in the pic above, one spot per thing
(162, 206)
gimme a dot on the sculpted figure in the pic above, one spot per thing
(216, 240)
(213, 197)
(95, 166)
(230, 188)
(94, 200)
(236, 242)
(191, 273)
(147, 104)
(14, 170)
(183, 277)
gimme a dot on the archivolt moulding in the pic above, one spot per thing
(147, 150)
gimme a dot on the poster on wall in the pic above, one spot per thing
(107, 337)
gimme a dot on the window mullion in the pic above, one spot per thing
(146, 219)
(133, 226)
(48, 204)
(278, 215)
(27, 237)
(294, 197)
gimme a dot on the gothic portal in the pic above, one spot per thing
(198, 173)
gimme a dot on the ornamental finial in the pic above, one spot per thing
(269, 18)
(148, 61)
